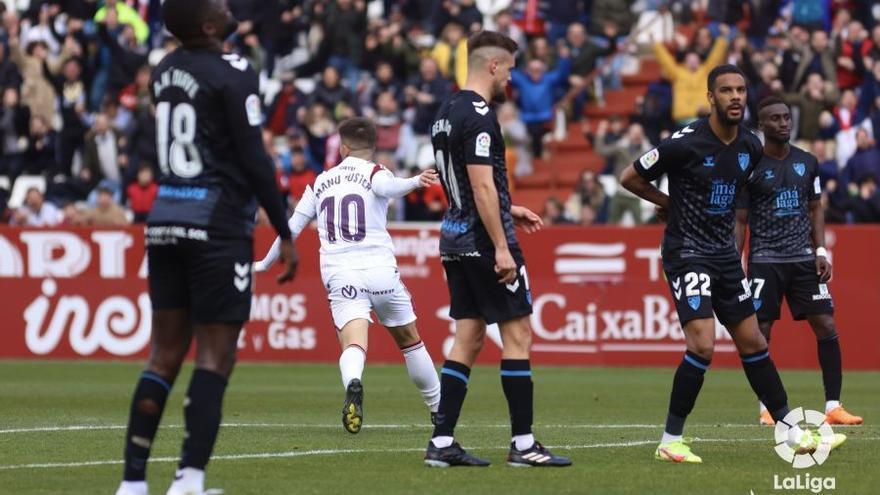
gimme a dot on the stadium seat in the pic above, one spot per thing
(22, 184)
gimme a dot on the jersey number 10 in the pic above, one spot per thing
(328, 209)
(181, 157)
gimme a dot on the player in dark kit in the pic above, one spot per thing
(200, 234)
(707, 163)
(787, 256)
(484, 265)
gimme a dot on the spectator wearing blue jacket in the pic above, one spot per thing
(537, 90)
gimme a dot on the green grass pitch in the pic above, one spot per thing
(63, 424)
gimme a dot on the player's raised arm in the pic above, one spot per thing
(386, 185)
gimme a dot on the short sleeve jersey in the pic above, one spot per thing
(203, 101)
(778, 197)
(351, 218)
(466, 132)
(705, 176)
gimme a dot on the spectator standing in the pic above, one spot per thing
(689, 79)
(41, 155)
(537, 89)
(622, 153)
(14, 130)
(104, 152)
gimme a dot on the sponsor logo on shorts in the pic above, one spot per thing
(823, 293)
(242, 278)
(349, 292)
(747, 291)
(694, 302)
(757, 303)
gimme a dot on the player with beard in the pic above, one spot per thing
(781, 207)
(199, 234)
(484, 264)
(707, 163)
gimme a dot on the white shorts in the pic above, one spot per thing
(353, 293)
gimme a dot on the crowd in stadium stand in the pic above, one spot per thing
(77, 128)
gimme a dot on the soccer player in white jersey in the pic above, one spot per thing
(358, 267)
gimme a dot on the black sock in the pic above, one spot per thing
(147, 405)
(686, 386)
(516, 380)
(453, 387)
(829, 360)
(202, 413)
(765, 381)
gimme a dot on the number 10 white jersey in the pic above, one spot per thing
(350, 202)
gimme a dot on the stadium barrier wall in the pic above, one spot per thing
(599, 296)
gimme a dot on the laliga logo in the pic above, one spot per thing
(812, 418)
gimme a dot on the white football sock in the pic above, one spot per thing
(670, 438)
(188, 480)
(831, 405)
(351, 364)
(441, 442)
(133, 488)
(523, 442)
(423, 374)
(761, 407)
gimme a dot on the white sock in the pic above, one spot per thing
(761, 407)
(830, 405)
(139, 487)
(423, 374)
(523, 442)
(351, 364)
(441, 442)
(190, 480)
(670, 438)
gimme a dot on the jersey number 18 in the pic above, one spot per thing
(181, 157)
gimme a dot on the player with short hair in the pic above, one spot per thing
(484, 264)
(707, 163)
(781, 206)
(199, 234)
(358, 267)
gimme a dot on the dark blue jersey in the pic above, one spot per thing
(705, 176)
(214, 169)
(466, 132)
(778, 197)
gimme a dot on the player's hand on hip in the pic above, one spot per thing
(428, 178)
(526, 219)
(823, 269)
(505, 266)
(289, 259)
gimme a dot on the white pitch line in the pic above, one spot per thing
(53, 429)
(306, 453)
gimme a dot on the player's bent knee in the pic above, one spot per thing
(405, 335)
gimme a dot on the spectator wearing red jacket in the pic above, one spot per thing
(142, 193)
